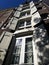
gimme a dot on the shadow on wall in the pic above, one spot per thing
(41, 39)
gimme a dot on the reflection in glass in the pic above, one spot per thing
(28, 51)
(15, 59)
(18, 42)
(16, 52)
(29, 58)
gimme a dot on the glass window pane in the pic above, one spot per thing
(28, 12)
(18, 42)
(28, 22)
(22, 14)
(17, 49)
(28, 40)
(28, 57)
(20, 24)
(28, 48)
(15, 59)
(16, 53)
(25, 13)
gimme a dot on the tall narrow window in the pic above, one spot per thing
(16, 53)
(29, 51)
(23, 55)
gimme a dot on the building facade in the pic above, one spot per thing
(24, 39)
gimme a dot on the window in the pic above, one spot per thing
(16, 52)
(18, 42)
(20, 24)
(28, 46)
(23, 53)
(29, 58)
(15, 59)
(29, 51)
(28, 22)
(17, 49)
(25, 13)
(23, 24)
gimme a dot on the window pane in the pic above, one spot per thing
(25, 13)
(29, 58)
(20, 24)
(29, 40)
(28, 22)
(29, 51)
(17, 49)
(25, 23)
(16, 53)
(22, 14)
(18, 42)
(28, 48)
(15, 59)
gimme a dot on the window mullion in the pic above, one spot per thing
(22, 51)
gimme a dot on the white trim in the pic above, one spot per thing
(22, 52)
(34, 53)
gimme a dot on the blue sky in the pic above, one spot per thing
(10, 3)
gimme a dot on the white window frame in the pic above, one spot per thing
(25, 25)
(22, 53)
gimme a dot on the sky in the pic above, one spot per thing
(4, 4)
